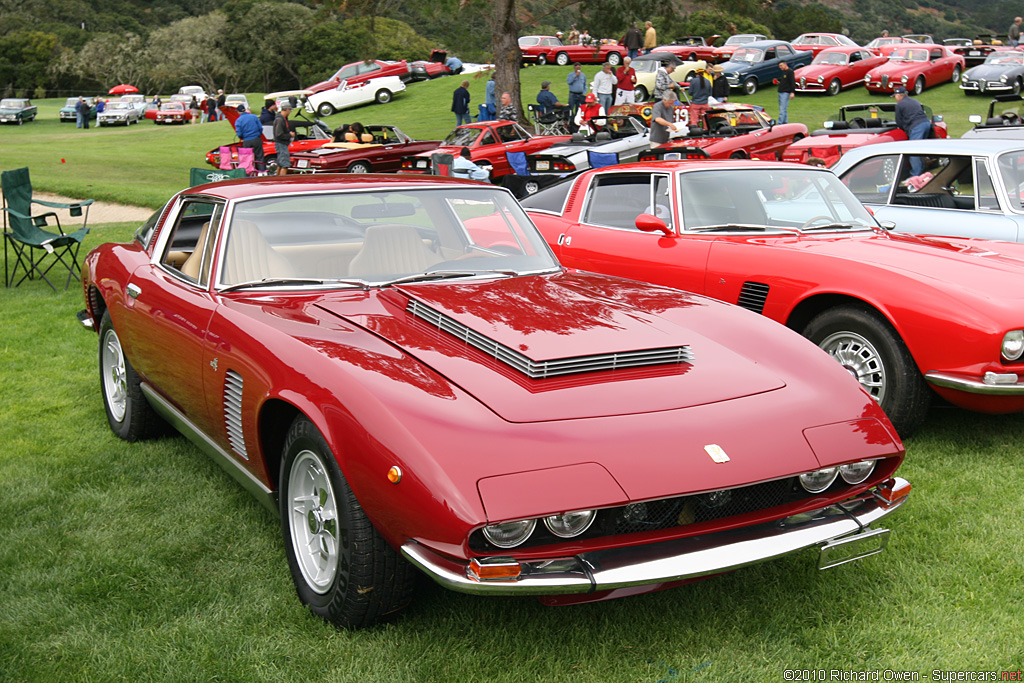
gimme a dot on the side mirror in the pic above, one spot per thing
(937, 118)
(649, 223)
(888, 225)
(828, 124)
(974, 118)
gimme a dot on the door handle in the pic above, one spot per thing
(134, 290)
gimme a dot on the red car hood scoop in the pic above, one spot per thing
(562, 347)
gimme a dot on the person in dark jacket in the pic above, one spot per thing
(720, 84)
(283, 136)
(268, 113)
(633, 41)
(460, 104)
(912, 120)
(787, 91)
(700, 91)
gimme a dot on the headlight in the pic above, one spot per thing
(965, 77)
(818, 481)
(867, 79)
(904, 79)
(856, 472)
(509, 534)
(1002, 79)
(1013, 344)
(821, 79)
(569, 524)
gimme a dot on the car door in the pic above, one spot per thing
(606, 239)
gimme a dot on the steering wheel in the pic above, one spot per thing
(1010, 118)
(857, 122)
(811, 221)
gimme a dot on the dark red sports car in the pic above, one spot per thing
(692, 48)
(400, 369)
(382, 155)
(835, 69)
(551, 50)
(908, 316)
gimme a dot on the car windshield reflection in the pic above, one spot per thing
(359, 239)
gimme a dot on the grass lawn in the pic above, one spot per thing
(146, 164)
(147, 562)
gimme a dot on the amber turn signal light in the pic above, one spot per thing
(893, 490)
(494, 569)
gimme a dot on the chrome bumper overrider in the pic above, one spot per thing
(974, 386)
(675, 560)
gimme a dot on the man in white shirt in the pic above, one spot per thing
(465, 168)
(604, 86)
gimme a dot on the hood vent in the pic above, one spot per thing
(752, 296)
(233, 412)
(556, 367)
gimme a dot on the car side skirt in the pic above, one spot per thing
(176, 419)
(668, 561)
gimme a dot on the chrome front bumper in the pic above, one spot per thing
(668, 561)
(975, 386)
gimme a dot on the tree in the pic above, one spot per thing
(110, 59)
(24, 59)
(266, 43)
(193, 50)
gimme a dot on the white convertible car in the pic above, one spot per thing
(345, 96)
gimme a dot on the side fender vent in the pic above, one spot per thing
(233, 412)
(752, 296)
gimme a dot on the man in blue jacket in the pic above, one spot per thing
(460, 104)
(250, 132)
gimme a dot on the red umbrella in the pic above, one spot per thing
(123, 89)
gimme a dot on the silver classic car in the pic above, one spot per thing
(120, 113)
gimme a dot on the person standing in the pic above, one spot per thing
(490, 101)
(211, 108)
(700, 91)
(250, 132)
(663, 82)
(912, 120)
(193, 108)
(78, 112)
(577, 81)
(86, 110)
(1014, 32)
(720, 84)
(460, 104)
(787, 91)
(604, 86)
(101, 104)
(633, 41)
(574, 36)
(222, 100)
(663, 116)
(282, 138)
(269, 112)
(650, 38)
(625, 83)
(508, 111)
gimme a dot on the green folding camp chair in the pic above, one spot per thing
(24, 232)
(201, 176)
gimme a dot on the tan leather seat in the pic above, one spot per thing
(192, 264)
(390, 250)
(250, 258)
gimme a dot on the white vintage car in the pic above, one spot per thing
(119, 113)
(345, 96)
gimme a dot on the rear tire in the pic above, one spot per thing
(614, 58)
(542, 59)
(343, 569)
(864, 343)
(383, 96)
(918, 86)
(359, 167)
(640, 94)
(325, 109)
(956, 74)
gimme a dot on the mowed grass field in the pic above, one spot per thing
(147, 562)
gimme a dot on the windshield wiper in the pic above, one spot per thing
(833, 226)
(446, 274)
(734, 227)
(276, 281)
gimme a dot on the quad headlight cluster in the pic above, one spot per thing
(564, 525)
(852, 473)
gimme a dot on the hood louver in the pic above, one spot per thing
(555, 367)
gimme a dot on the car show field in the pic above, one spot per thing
(146, 561)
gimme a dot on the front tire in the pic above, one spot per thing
(641, 94)
(342, 568)
(834, 86)
(383, 96)
(750, 86)
(918, 86)
(325, 109)
(864, 343)
(562, 59)
(129, 414)
(956, 74)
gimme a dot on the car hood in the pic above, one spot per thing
(583, 317)
(739, 67)
(824, 70)
(897, 68)
(992, 72)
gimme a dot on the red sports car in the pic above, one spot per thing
(915, 67)
(739, 131)
(424, 70)
(907, 316)
(360, 72)
(400, 369)
(488, 141)
(816, 42)
(382, 155)
(724, 52)
(692, 48)
(881, 47)
(835, 69)
(551, 50)
(854, 126)
(173, 112)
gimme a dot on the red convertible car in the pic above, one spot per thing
(309, 135)
(915, 67)
(881, 47)
(836, 69)
(401, 370)
(739, 131)
(907, 316)
(360, 72)
(488, 142)
(550, 50)
(382, 155)
(854, 126)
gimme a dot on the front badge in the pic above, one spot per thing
(716, 453)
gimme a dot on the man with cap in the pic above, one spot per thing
(546, 99)
(250, 132)
(589, 114)
(912, 120)
(283, 135)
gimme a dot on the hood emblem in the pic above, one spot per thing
(716, 453)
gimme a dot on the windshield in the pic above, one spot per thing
(462, 137)
(172, 106)
(374, 238)
(739, 40)
(909, 55)
(1011, 168)
(1004, 58)
(787, 199)
(831, 58)
(120, 105)
(13, 104)
(748, 54)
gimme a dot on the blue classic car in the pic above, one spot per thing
(69, 114)
(755, 64)
(969, 188)
(1002, 72)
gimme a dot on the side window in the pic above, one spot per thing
(347, 72)
(616, 200)
(855, 57)
(189, 249)
(508, 134)
(368, 68)
(769, 54)
(487, 139)
(871, 180)
(936, 54)
(783, 52)
(984, 188)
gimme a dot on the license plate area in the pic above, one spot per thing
(850, 548)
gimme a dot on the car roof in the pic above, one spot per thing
(248, 188)
(949, 146)
(844, 49)
(765, 43)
